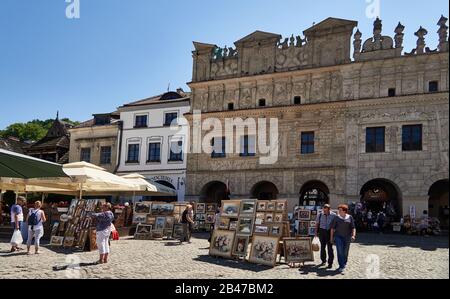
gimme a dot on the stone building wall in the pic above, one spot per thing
(340, 98)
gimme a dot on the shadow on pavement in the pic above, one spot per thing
(81, 265)
(232, 263)
(431, 243)
(320, 271)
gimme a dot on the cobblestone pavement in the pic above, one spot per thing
(397, 256)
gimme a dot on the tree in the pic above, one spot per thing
(32, 130)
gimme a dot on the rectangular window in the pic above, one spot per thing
(375, 140)
(248, 146)
(154, 152)
(297, 100)
(391, 92)
(85, 155)
(262, 103)
(218, 145)
(412, 138)
(133, 153)
(169, 118)
(140, 121)
(307, 146)
(105, 155)
(433, 86)
(230, 106)
(176, 151)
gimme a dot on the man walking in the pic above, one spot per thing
(323, 232)
(17, 218)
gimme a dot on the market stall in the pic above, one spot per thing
(258, 232)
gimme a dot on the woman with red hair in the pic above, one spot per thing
(343, 232)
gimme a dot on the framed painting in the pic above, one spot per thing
(142, 207)
(278, 217)
(240, 246)
(230, 208)
(261, 206)
(313, 223)
(224, 223)
(211, 208)
(139, 218)
(248, 207)
(245, 226)
(56, 241)
(303, 228)
(150, 219)
(281, 206)
(261, 216)
(276, 230)
(54, 229)
(157, 234)
(177, 232)
(264, 250)
(143, 229)
(312, 230)
(268, 218)
(210, 218)
(262, 230)
(271, 206)
(200, 208)
(148, 236)
(170, 221)
(304, 215)
(222, 243)
(160, 223)
(233, 225)
(68, 242)
(298, 250)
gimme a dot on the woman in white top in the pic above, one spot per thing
(35, 219)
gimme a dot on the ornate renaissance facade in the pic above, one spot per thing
(358, 120)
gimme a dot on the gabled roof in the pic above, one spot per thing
(330, 23)
(168, 97)
(258, 35)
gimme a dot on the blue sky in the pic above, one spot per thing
(123, 50)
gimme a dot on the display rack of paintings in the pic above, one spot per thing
(306, 217)
(76, 228)
(251, 230)
(157, 220)
(204, 214)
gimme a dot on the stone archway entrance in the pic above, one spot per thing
(214, 192)
(314, 193)
(438, 202)
(264, 191)
(381, 195)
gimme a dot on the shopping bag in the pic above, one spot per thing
(114, 233)
(316, 244)
(16, 238)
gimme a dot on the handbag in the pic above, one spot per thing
(16, 238)
(316, 244)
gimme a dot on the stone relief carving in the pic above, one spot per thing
(224, 68)
(280, 93)
(336, 87)
(317, 89)
(246, 100)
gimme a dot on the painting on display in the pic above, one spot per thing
(269, 217)
(304, 215)
(139, 218)
(303, 228)
(276, 230)
(248, 206)
(245, 226)
(162, 209)
(210, 218)
(281, 205)
(222, 243)
(224, 223)
(278, 217)
(200, 208)
(56, 241)
(261, 206)
(178, 232)
(230, 208)
(262, 230)
(271, 205)
(160, 223)
(264, 250)
(241, 245)
(233, 225)
(68, 242)
(142, 207)
(211, 208)
(298, 250)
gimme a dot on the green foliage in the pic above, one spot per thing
(32, 130)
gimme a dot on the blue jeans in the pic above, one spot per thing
(342, 248)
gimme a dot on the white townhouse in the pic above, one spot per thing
(154, 140)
